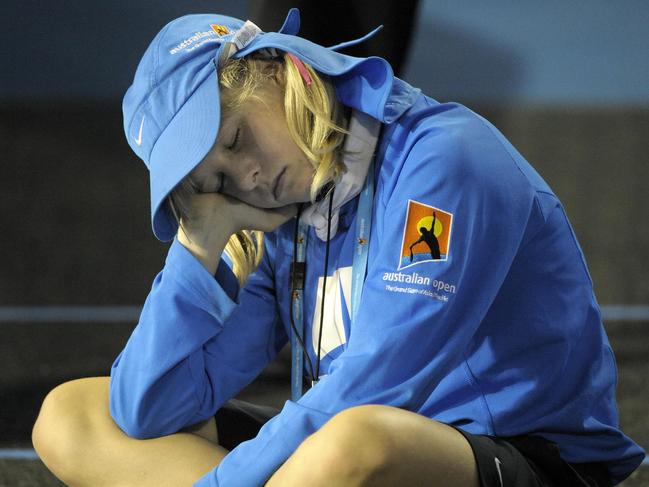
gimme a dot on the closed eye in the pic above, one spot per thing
(235, 141)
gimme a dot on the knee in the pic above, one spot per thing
(63, 424)
(353, 448)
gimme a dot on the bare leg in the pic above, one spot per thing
(380, 446)
(78, 441)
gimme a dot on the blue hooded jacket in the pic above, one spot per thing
(491, 326)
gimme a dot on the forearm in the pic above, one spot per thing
(207, 248)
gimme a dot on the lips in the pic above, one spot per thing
(277, 185)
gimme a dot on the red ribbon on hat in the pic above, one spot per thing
(301, 68)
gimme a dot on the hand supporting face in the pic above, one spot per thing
(214, 217)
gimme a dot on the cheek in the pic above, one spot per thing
(306, 171)
(284, 151)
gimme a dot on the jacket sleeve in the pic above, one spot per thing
(194, 347)
(403, 342)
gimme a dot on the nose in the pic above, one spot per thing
(247, 174)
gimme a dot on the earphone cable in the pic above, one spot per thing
(324, 285)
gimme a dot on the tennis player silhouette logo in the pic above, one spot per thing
(426, 235)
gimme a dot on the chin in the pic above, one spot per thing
(293, 199)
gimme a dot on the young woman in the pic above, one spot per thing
(437, 302)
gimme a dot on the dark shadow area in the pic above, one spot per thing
(75, 208)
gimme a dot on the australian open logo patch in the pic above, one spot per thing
(220, 30)
(426, 235)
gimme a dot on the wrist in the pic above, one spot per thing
(206, 249)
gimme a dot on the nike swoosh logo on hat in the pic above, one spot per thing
(500, 475)
(138, 141)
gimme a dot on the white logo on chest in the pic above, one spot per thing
(337, 294)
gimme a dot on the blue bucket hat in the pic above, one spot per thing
(172, 109)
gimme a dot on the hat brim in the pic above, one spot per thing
(180, 148)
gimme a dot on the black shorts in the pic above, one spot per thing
(530, 461)
(523, 461)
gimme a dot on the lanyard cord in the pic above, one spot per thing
(298, 274)
(314, 378)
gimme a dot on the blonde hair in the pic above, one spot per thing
(315, 121)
